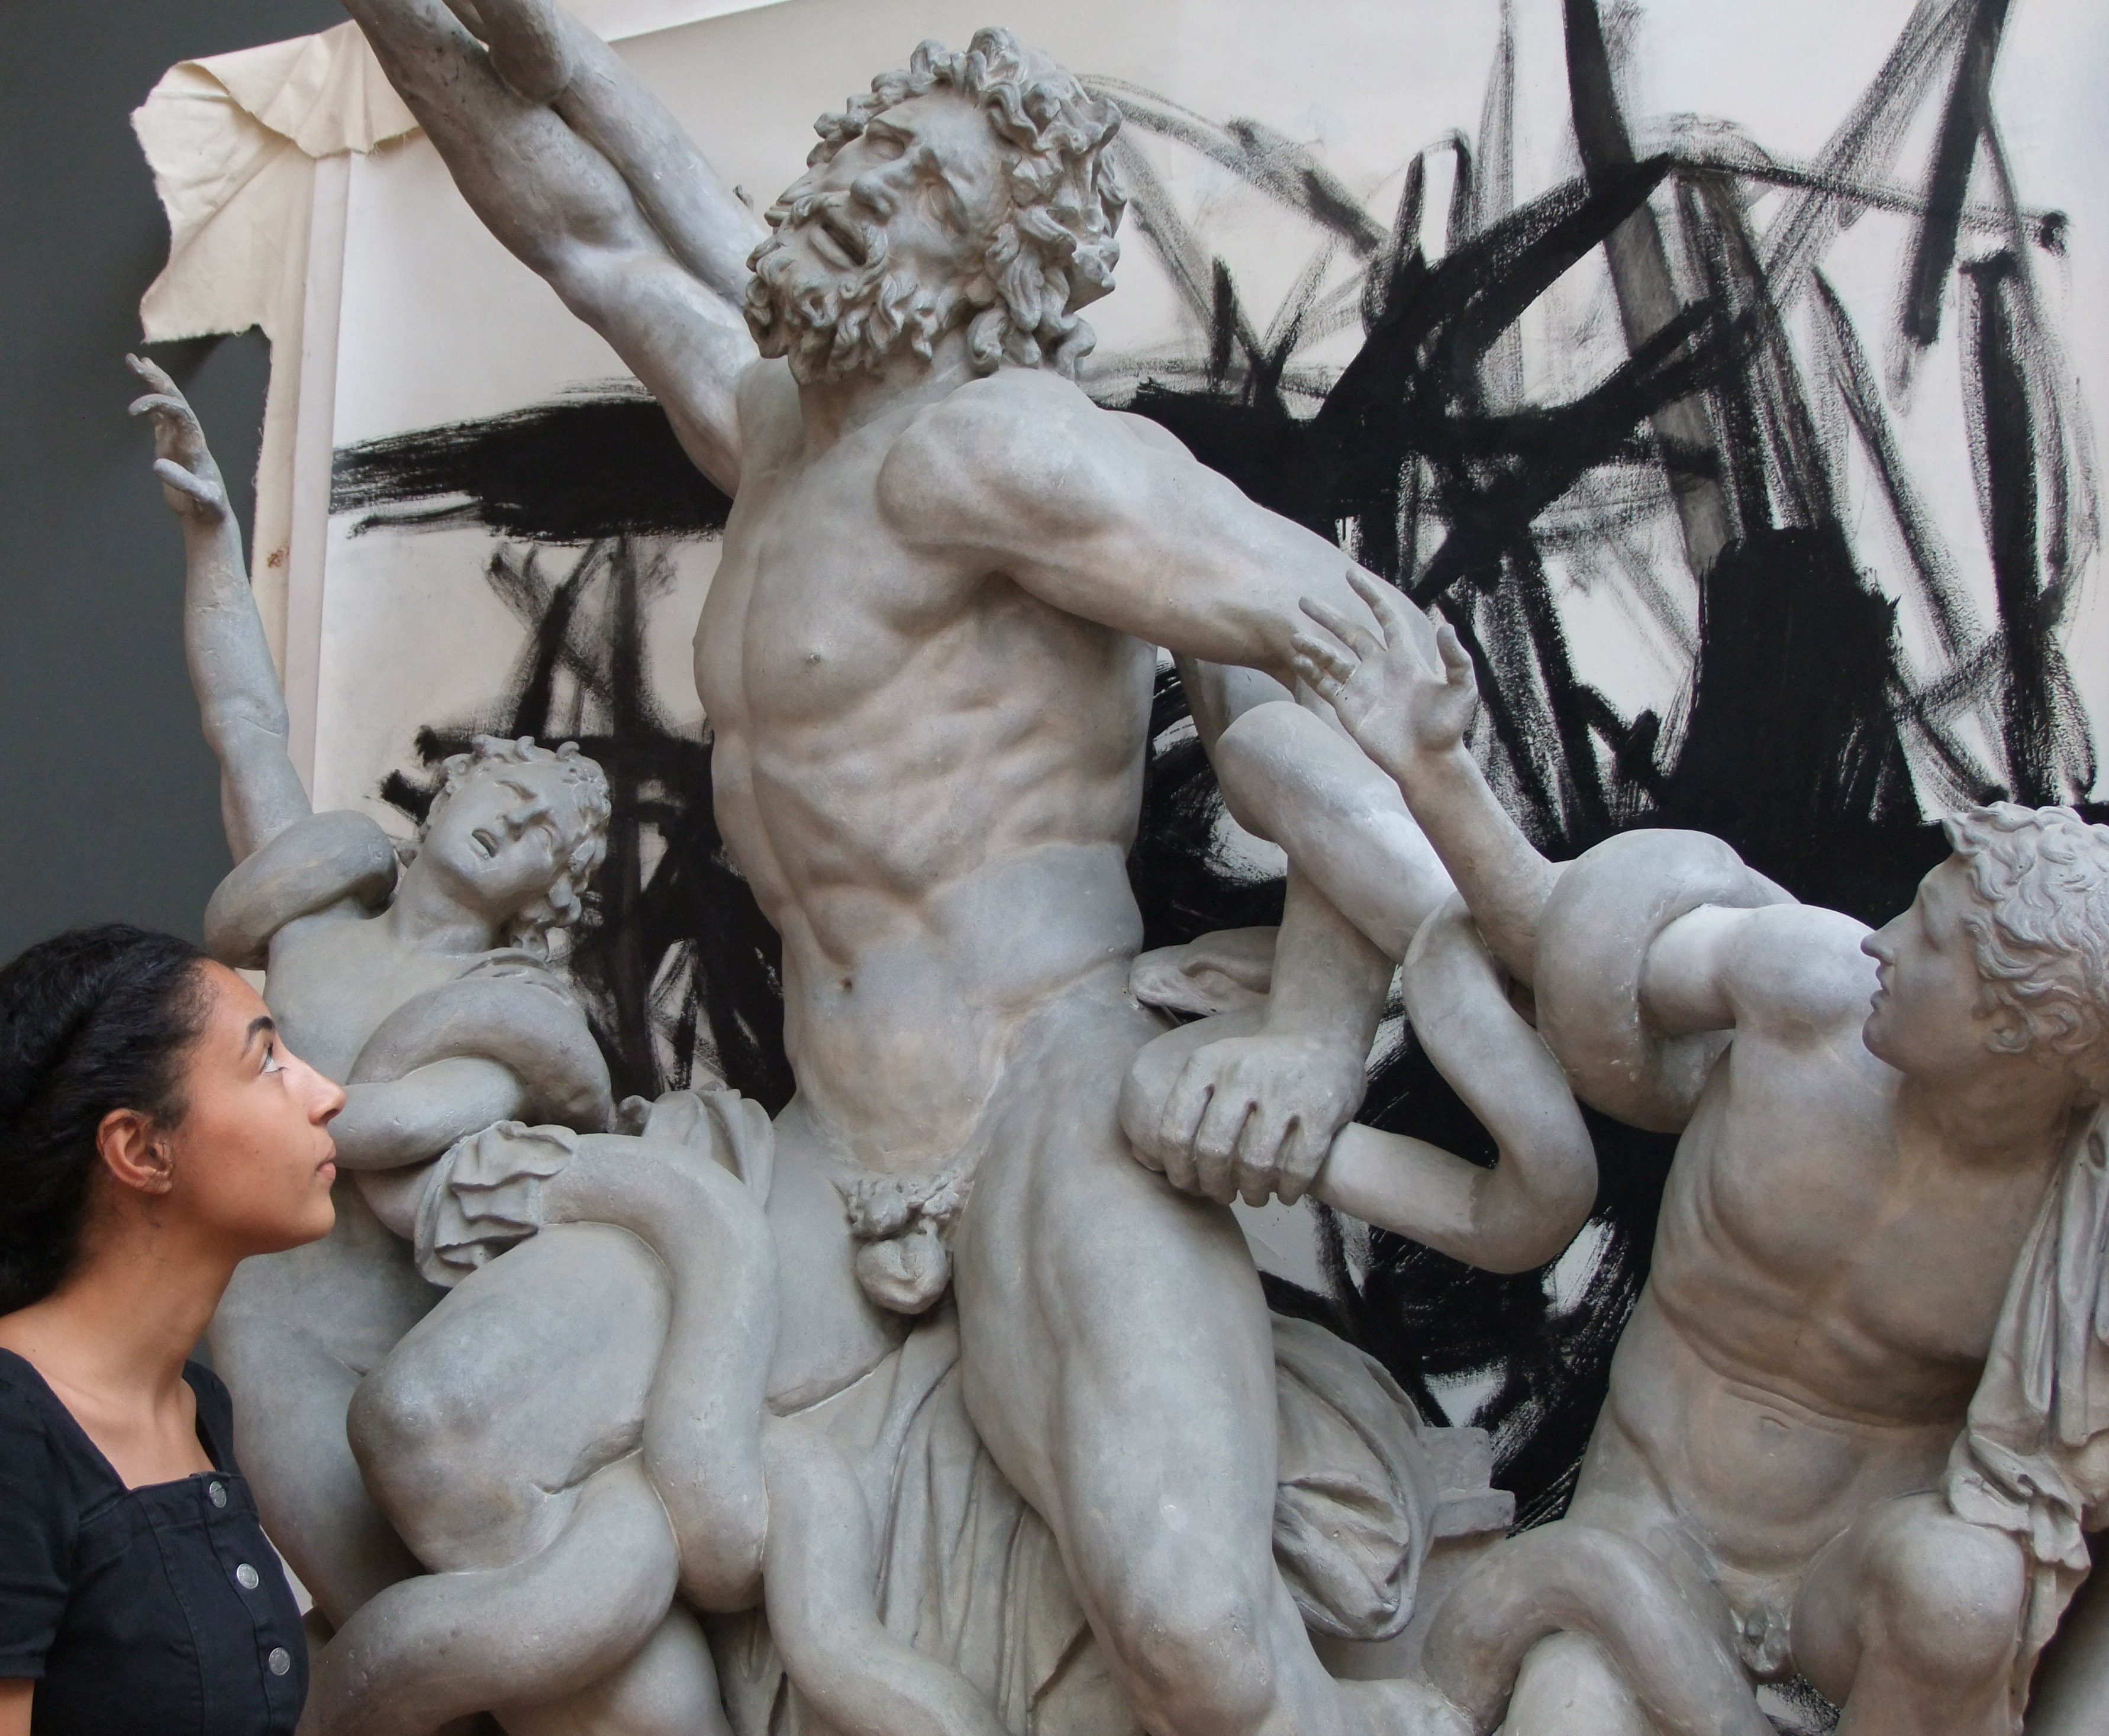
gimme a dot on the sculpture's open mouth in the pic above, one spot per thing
(837, 240)
(487, 844)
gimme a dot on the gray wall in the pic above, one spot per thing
(108, 801)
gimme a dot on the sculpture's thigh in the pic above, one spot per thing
(1569, 1686)
(294, 1334)
(1111, 1327)
(477, 1432)
(1118, 1363)
(1913, 1613)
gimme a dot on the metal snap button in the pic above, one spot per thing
(216, 1493)
(279, 1661)
(245, 1576)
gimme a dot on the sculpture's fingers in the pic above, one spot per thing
(1303, 1153)
(160, 404)
(1261, 1149)
(1216, 1143)
(1334, 692)
(1384, 602)
(152, 373)
(1177, 1123)
(1349, 631)
(1339, 663)
(175, 476)
(1456, 661)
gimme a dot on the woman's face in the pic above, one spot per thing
(251, 1162)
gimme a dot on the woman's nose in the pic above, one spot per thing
(329, 1099)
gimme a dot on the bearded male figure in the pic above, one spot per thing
(927, 658)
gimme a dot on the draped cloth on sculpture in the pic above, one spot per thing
(970, 1575)
(2034, 1460)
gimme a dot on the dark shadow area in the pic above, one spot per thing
(111, 806)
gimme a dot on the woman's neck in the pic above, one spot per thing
(112, 1339)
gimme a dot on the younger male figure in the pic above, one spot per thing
(365, 959)
(1868, 1201)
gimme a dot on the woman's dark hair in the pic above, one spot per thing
(90, 1021)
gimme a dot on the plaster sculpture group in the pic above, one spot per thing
(951, 1400)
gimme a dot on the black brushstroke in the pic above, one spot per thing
(1948, 183)
(574, 471)
(691, 922)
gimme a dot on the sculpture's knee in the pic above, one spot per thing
(1943, 1596)
(1197, 1638)
(420, 1439)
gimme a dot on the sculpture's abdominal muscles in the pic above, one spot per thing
(1872, 1300)
(1786, 1369)
(932, 780)
(1765, 1480)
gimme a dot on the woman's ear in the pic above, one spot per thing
(134, 1152)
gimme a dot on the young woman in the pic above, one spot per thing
(153, 1132)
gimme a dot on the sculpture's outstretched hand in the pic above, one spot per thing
(1400, 710)
(190, 477)
(1247, 1116)
(1410, 716)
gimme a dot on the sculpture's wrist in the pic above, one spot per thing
(1422, 769)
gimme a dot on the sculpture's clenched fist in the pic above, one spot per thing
(1247, 1116)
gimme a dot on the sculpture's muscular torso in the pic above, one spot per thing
(912, 755)
(1833, 1347)
(926, 659)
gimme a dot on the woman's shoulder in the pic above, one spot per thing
(36, 1462)
(25, 1400)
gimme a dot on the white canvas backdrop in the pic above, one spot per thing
(419, 318)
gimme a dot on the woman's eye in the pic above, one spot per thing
(271, 1064)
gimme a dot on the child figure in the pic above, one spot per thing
(424, 987)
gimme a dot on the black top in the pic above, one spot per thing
(160, 1608)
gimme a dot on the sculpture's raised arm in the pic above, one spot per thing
(586, 177)
(1409, 713)
(240, 704)
(1526, 1209)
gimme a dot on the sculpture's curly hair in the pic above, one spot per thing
(2041, 931)
(1054, 250)
(580, 852)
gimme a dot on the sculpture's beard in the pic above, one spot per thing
(831, 322)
